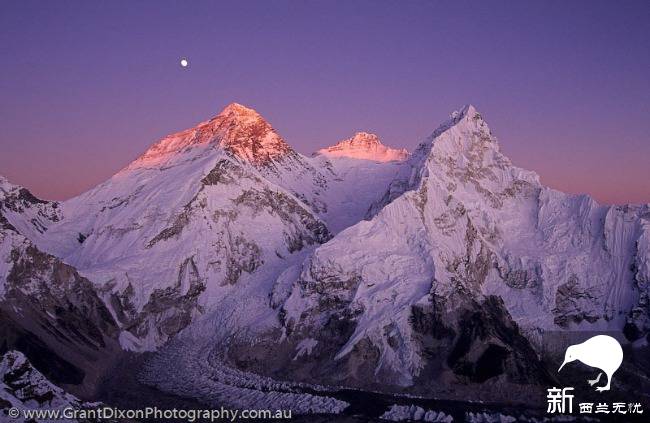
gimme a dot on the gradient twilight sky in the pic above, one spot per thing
(86, 86)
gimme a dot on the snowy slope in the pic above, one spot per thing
(164, 248)
(355, 186)
(362, 170)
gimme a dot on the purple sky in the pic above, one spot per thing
(87, 86)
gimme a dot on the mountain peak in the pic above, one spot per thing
(364, 146)
(237, 129)
(246, 134)
(365, 138)
(4, 182)
(239, 111)
(465, 119)
(468, 112)
(237, 107)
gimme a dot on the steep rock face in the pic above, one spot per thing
(364, 146)
(30, 215)
(47, 310)
(24, 387)
(468, 255)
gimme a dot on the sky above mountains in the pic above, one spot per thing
(86, 87)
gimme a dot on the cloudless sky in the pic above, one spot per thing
(87, 86)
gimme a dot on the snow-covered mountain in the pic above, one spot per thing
(211, 211)
(466, 263)
(470, 254)
(242, 261)
(364, 146)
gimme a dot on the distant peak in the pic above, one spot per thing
(364, 146)
(364, 139)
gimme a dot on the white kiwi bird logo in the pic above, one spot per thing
(602, 352)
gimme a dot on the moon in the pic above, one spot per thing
(184, 62)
